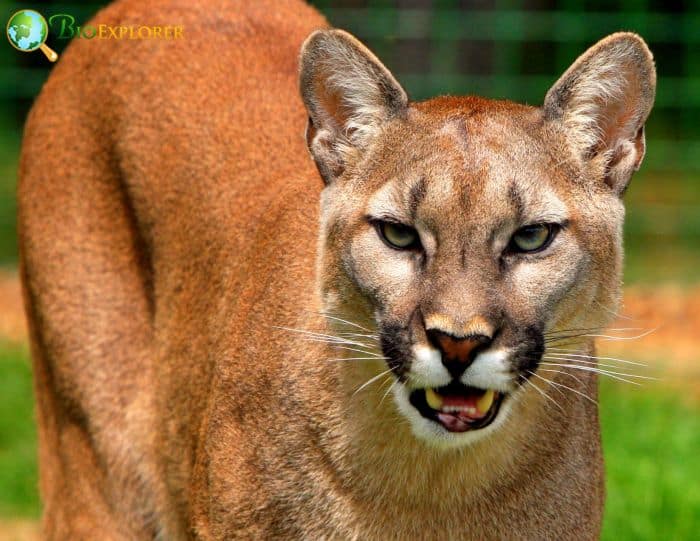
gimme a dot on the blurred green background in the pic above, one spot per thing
(497, 48)
(500, 49)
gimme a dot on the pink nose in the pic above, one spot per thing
(457, 353)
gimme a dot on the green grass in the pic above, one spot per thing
(18, 473)
(651, 438)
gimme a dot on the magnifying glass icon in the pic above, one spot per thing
(27, 31)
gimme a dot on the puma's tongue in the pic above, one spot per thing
(456, 422)
(457, 411)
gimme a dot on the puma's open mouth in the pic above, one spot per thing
(456, 407)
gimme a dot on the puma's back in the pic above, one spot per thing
(147, 169)
(271, 297)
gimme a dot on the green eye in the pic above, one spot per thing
(398, 236)
(532, 238)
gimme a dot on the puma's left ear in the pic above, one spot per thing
(603, 101)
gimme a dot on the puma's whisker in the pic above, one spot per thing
(370, 381)
(590, 329)
(559, 332)
(360, 335)
(561, 385)
(618, 378)
(326, 337)
(580, 362)
(587, 361)
(544, 394)
(602, 372)
(570, 355)
(607, 337)
(363, 351)
(614, 313)
(375, 358)
(352, 324)
(576, 362)
(394, 382)
(564, 373)
(548, 382)
(368, 347)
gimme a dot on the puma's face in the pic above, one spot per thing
(469, 242)
(471, 234)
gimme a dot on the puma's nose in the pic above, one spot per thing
(457, 353)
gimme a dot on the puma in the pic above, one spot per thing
(239, 331)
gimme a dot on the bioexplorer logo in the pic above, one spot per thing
(65, 28)
(27, 31)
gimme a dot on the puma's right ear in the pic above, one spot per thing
(603, 101)
(348, 94)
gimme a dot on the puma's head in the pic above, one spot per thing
(471, 234)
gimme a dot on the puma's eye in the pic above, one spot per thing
(532, 238)
(398, 236)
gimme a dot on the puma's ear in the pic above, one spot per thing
(603, 101)
(348, 94)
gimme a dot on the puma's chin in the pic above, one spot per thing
(453, 415)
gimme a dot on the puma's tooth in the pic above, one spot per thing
(434, 400)
(484, 403)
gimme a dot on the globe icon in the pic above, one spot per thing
(27, 31)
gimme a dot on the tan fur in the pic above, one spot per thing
(171, 234)
(476, 325)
